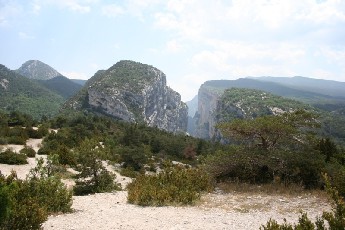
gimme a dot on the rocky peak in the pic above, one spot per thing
(135, 92)
(38, 70)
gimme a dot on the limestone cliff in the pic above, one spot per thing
(134, 92)
(204, 117)
(35, 69)
(217, 104)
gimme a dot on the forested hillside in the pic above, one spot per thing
(62, 86)
(18, 93)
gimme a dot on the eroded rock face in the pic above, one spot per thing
(35, 69)
(217, 105)
(139, 94)
(204, 118)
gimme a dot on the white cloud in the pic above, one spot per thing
(9, 10)
(333, 54)
(247, 19)
(135, 8)
(188, 84)
(324, 12)
(323, 74)
(25, 36)
(112, 10)
(75, 75)
(211, 61)
(173, 46)
(73, 5)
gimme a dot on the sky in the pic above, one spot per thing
(191, 41)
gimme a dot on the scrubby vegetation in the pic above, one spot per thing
(17, 128)
(12, 158)
(175, 185)
(93, 176)
(26, 204)
(284, 150)
(28, 151)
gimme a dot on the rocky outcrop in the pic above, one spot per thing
(204, 118)
(38, 70)
(217, 104)
(135, 92)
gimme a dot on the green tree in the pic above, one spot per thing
(328, 148)
(93, 176)
(269, 131)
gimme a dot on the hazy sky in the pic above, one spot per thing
(191, 41)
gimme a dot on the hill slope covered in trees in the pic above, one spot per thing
(18, 93)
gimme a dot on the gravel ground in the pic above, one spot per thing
(216, 211)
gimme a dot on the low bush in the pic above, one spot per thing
(28, 151)
(12, 158)
(103, 182)
(26, 204)
(66, 156)
(255, 166)
(16, 140)
(3, 141)
(173, 186)
(93, 176)
(129, 172)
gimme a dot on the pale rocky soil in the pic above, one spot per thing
(22, 170)
(216, 210)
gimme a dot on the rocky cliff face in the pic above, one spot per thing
(204, 118)
(219, 105)
(135, 92)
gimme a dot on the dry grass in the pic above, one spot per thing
(269, 189)
(244, 198)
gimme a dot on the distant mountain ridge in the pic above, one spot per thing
(62, 86)
(79, 81)
(50, 78)
(38, 70)
(275, 88)
(211, 95)
(326, 87)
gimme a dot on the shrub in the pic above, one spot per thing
(25, 214)
(239, 164)
(133, 157)
(255, 166)
(173, 186)
(337, 177)
(16, 140)
(12, 158)
(28, 151)
(43, 151)
(93, 176)
(25, 204)
(3, 141)
(129, 172)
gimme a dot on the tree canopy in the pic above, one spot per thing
(269, 131)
